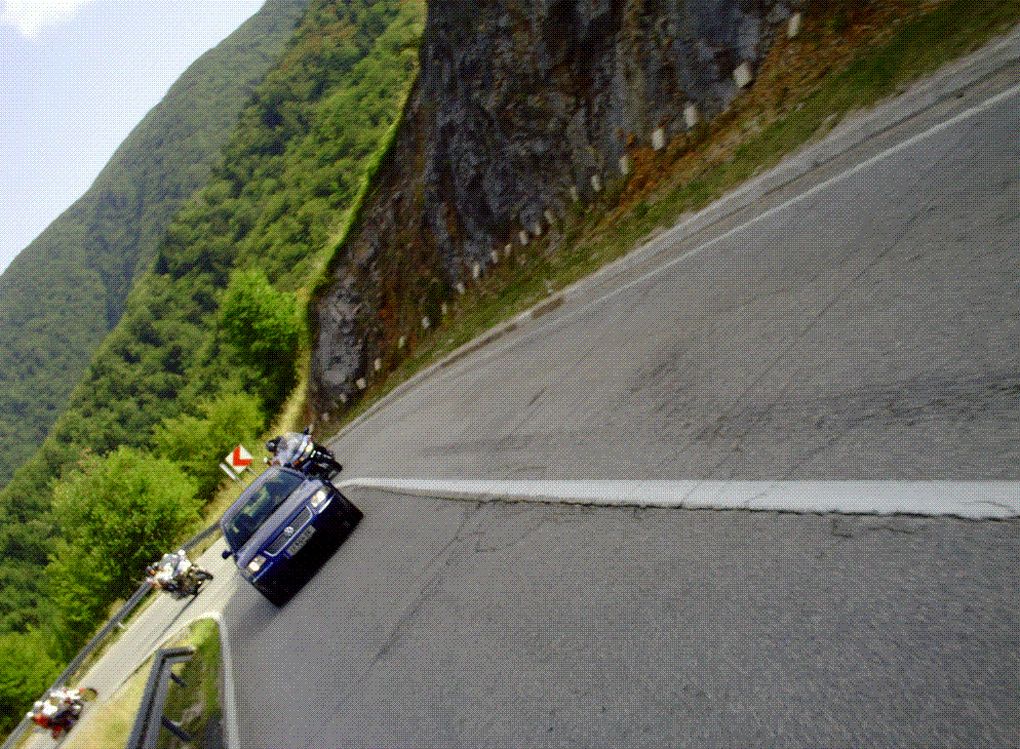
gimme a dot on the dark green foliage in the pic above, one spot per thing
(66, 290)
(262, 330)
(115, 514)
(267, 219)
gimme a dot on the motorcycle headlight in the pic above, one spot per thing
(320, 499)
(256, 564)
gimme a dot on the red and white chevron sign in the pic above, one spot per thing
(239, 459)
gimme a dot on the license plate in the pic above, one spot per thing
(299, 542)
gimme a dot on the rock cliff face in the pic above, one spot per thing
(522, 107)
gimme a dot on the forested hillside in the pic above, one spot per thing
(205, 350)
(66, 290)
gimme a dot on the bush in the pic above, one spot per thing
(198, 444)
(263, 331)
(117, 514)
(26, 670)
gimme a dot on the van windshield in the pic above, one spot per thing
(263, 498)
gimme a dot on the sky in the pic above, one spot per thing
(75, 77)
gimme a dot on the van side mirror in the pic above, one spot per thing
(227, 553)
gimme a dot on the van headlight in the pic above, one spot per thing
(320, 499)
(256, 564)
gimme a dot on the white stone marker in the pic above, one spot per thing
(444, 309)
(495, 257)
(507, 250)
(402, 342)
(460, 288)
(377, 364)
(426, 323)
(574, 194)
(549, 217)
(596, 183)
(343, 399)
(625, 165)
(476, 271)
(742, 75)
(692, 116)
(361, 383)
(793, 25)
(522, 236)
(537, 229)
(659, 139)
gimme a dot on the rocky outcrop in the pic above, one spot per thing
(522, 107)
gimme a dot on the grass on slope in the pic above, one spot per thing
(198, 705)
(840, 62)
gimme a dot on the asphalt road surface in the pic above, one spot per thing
(455, 624)
(868, 331)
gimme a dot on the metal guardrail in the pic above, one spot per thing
(150, 717)
(19, 731)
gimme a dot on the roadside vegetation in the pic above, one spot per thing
(198, 706)
(67, 289)
(184, 376)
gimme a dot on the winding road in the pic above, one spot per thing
(860, 322)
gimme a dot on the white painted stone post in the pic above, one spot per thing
(461, 288)
(596, 183)
(476, 271)
(574, 194)
(692, 116)
(361, 383)
(793, 25)
(444, 309)
(742, 75)
(507, 250)
(377, 365)
(659, 139)
(426, 323)
(494, 256)
(549, 217)
(522, 237)
(625, 165)
(402, 342)
(343, 399)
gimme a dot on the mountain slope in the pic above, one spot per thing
(278, 198)
(66, 290)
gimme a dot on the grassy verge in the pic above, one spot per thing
(198, 705)
(844, 61)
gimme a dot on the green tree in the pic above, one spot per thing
(262, 328)
(26, 670)
(198, 443)
(116, 514)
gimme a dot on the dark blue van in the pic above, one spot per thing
(283, 527)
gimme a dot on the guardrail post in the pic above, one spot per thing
(176, 730)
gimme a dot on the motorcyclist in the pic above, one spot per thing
(298, 450)
(57, 712)
(169, 571)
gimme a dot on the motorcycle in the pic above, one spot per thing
(297, 450)
(177, 575)
(60, 710)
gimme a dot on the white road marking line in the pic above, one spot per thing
(974, 500)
